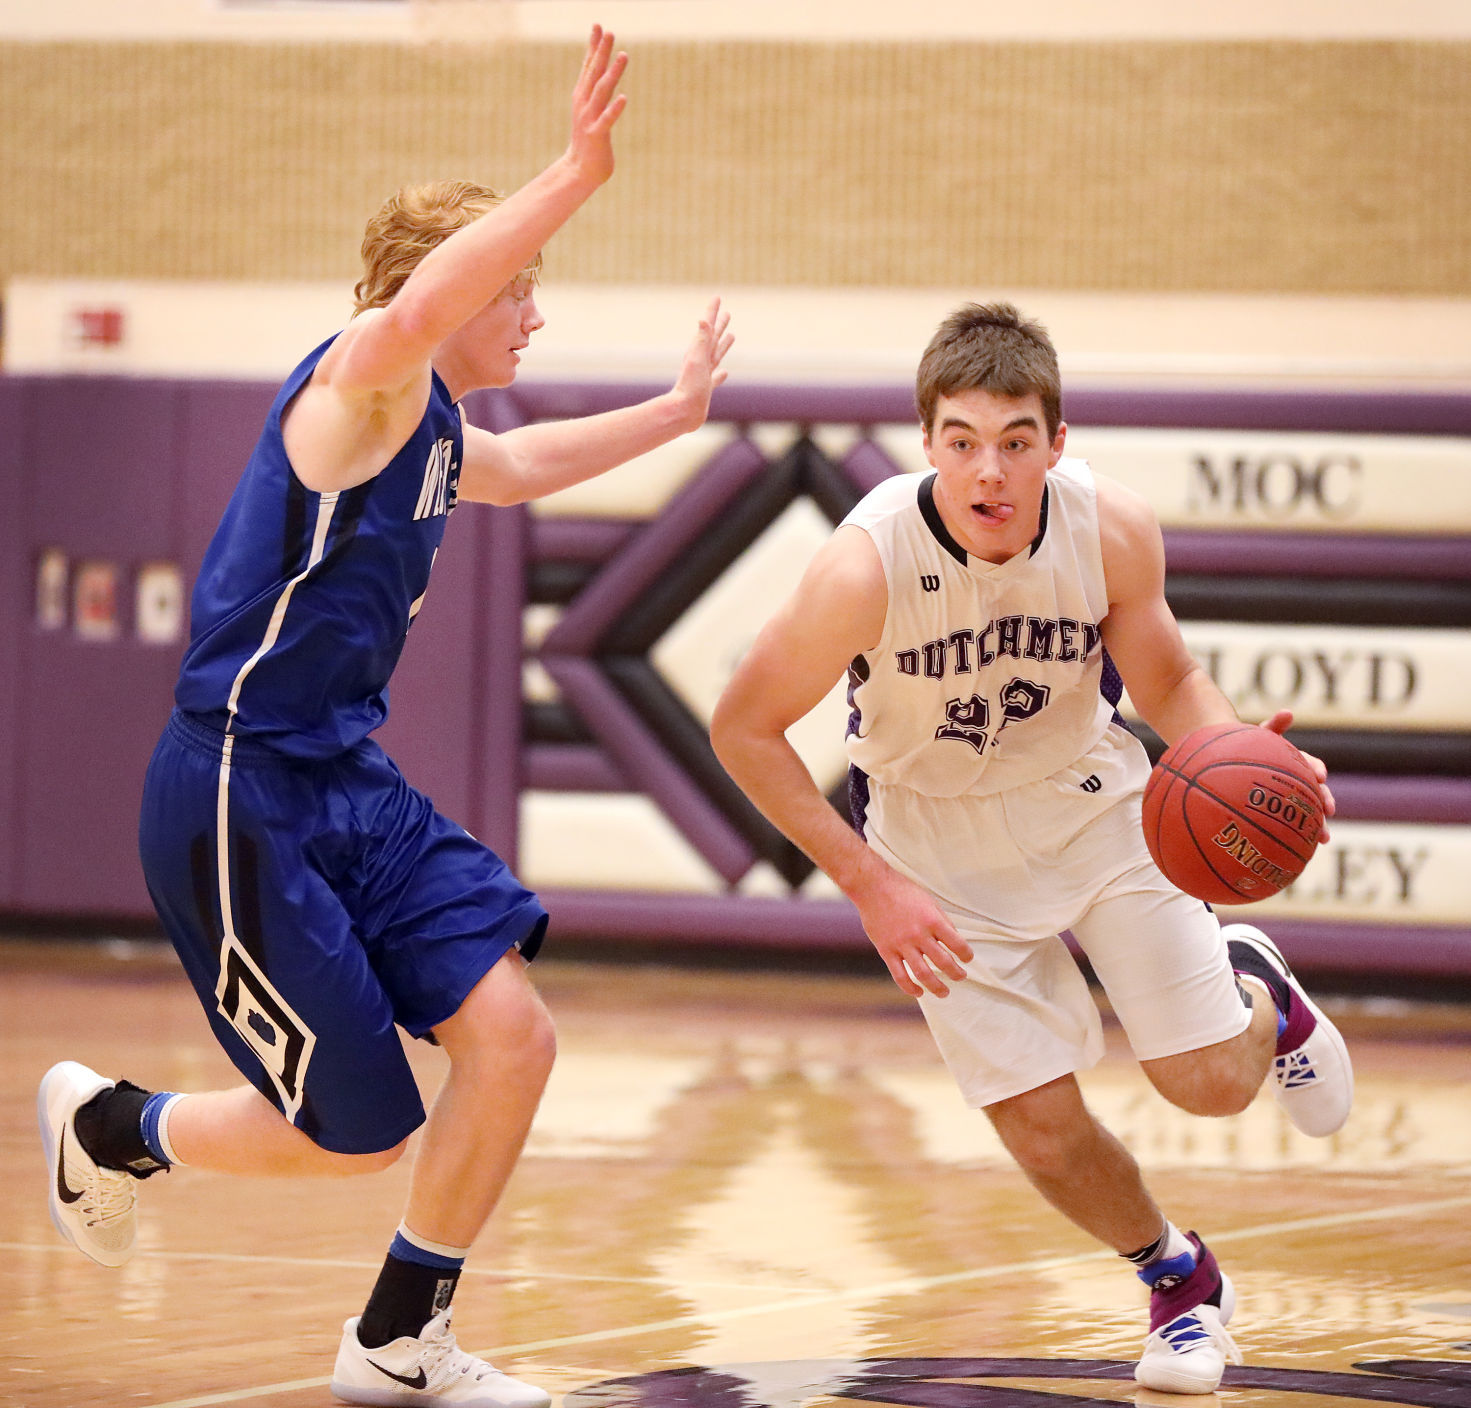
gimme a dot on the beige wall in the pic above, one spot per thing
(1314, 168)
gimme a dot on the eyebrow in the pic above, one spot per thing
(955, 423)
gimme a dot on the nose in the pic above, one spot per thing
(531, 318)
(988, 464)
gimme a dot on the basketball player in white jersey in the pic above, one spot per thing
(986, 615)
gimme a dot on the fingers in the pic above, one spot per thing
(715, 334)
(924, 965)
(1280, 722)
(601, 72)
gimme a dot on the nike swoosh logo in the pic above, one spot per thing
(417, 1381)
(62, 1191)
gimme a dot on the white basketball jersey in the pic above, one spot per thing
(988, 675)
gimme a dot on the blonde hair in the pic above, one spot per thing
(408, 225)
(989, 347)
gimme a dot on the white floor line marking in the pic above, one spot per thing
(160, 1254)
(903, 1286)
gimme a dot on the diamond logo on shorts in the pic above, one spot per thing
(281, 1041)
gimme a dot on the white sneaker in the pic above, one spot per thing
(1188, 1347)
(93, 1208)
(1313, 1077)
(429, 1369)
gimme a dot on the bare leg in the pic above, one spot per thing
(239, 1131)
(500, 1045)
(1077, 1165)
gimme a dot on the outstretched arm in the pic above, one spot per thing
(457, 278)
(836, 613)
(371, 386)
(535, 460)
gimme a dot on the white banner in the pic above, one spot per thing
(1338, 676)
(1387, 872)
(1286, 480)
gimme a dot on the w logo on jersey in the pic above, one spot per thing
(436, 494)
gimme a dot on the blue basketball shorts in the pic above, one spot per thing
(317, 906)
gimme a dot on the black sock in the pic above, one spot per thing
(1246, 959)
(406, 1297)
(110, 1129)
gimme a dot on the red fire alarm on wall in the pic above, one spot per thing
(102, 326)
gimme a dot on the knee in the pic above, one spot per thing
(1045, 1147)
(504, 1030)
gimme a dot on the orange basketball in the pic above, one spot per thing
(1232, 813)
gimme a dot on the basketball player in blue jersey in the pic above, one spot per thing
(985, 614)
(316, 900)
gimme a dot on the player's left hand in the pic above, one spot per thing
(702, 371)
(1279, 723)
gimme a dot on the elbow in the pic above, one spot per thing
(727, 734)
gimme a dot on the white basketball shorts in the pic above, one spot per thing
(1016, 869)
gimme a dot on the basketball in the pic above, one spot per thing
(1232, 813)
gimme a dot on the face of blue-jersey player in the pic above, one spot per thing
(491, 343)
(991, 456)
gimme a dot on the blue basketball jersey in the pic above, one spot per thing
(304, 599)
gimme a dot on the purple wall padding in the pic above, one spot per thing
(17, 592)
(1368, 412)
(134, 470)
(433, 702)
(1328, 946)
(1443, 800)
(705, 921)
(1244, 553)
(588, 540)
(99, 466)
(639, 754)
(496, 742)
(675, 532)
(571, 767)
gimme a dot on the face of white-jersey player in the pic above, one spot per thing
(991, 456)
(490, 344)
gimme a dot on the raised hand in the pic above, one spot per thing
(595, 108)
(702, 372)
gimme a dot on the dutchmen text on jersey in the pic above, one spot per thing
(988, 675)
(304, 599)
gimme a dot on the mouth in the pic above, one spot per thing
(994, 514)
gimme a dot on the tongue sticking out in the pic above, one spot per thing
(993, 513)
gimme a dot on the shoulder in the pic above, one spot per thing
(898, 492)
(1129, 535)
(1123, 512)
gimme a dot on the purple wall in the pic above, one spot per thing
(130, 471)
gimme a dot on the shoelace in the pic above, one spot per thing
(1186, 1332)
(442, 1359)
(111, 1197)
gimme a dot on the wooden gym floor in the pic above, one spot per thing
(765, 1174)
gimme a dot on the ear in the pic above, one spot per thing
(929, 449)
(1058, 441)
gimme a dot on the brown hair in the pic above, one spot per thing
(408, 225)
(989, 347)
